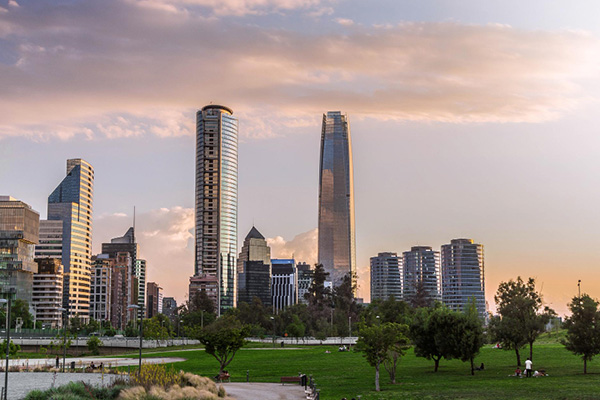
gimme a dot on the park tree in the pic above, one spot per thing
(522, 306)
(378, 341)
(222, 339)
(583, 329)
(420, 297)
(93, 345)
(157, 328)
(198, 311)
(470, 335)
(13, 349)
(430, 332)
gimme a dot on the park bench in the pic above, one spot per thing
(290, 379)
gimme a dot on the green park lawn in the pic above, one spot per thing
(347, 374)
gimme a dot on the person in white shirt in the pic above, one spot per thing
(528, 364)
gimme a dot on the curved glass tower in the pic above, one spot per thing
(216, 204)
(337, 248)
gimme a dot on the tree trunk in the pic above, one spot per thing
(437, 364)
(472, 367)
(531, 351)
(518, 356)
(584, 366)
(377, 377)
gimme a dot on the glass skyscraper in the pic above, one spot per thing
(337, 247)
(422, 269)
(463, 275)
(71, 203)
(216, 205)
(386, 276)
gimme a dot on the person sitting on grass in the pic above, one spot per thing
(518, 372)
(480, 368)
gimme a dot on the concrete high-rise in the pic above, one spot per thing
(386, 276)
(19, 230)
(463, 276)
(337, 247)
(71, 203)
(421, 271)
(216, 205)
(47, 293)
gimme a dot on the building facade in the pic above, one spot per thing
(255, 281)
(336, 243)
(19, 231)
(153, 299)
(47, 292)
(71, 203)
(50, 241)
(386, 276)
(169, 309)
(421, 272)
(100, 290)
(216, 204)
(305, 279)
(122, 288)
(284, 284)
(463, 275)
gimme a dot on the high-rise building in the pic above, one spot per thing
(254, 269)
(422, 273)
(47, 293)
(386, 276)
(71, 203)
(337, 247)
(153, 299)
(284, 283)
(100, 293)
(216, 205)
(19, 230)
(122, 291)
(463, 275)
(305, 279)
(128, 244)
(255, 281)
(169, 308)
(51, 240)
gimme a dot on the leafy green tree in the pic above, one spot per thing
(425, 327)
(19, 309)
(93, 345)
(396, 351)
(583, 329)
(521, 310)
(13, 349)
(296, 328)
(157, 328)
(199, 311)
(378, 341)
(131, 330)
(91, 327)
(470, 335)
(222, 339)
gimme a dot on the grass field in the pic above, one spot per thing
(347, 374)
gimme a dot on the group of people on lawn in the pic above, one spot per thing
(528, 369)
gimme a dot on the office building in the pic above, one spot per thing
(255, 248)
(122, 291)
(128, 244)
(284, 284)
(463, 275)
(422, 274)
(19, 230)
(50, 240)
(47, 292)
(216, 205)
(337, 247)
(153, 299)
(305, 279)
(386, 276)
(169, 308)
(255, 281)
(71, 203)
(100, 290)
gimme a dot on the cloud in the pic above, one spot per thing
(303, 247)
(130, 68)
(166, 241)
(344, 21)
(236, 7)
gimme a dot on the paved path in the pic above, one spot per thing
(21, 383)
(86, 361)
(264, 391)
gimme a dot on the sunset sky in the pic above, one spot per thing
(469, 118)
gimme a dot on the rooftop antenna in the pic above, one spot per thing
(133, 224)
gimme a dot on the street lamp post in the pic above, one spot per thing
(349, 330)
(2, 301)
(63, 312)
(273, 321)
(140, 311)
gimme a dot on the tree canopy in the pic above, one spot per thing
(583, 328)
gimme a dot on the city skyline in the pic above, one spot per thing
(468, 120)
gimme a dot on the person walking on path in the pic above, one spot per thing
(528, 364)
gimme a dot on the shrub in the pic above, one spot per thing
(93, 345)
